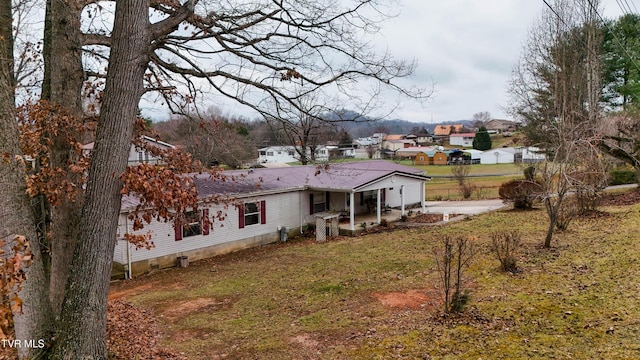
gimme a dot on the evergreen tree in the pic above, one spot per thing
(482, 140)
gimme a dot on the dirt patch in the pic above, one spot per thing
(126, 289)
(412, 299)
(125, 293)
(183, 308)
(428, 218)
(305, 341)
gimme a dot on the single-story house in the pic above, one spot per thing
(497, 126)
(497, 156)
(411, 152)
(277, 154)
(288, 154)
(532, 154)
(263, 205)
(394, 145)
(464, 139)
(525, 154)
(138, 155)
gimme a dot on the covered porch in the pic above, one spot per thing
(388, 198)
(369, 219)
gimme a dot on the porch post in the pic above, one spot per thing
(423, 194)
(402, 200)
(352, 211)
(378, 206)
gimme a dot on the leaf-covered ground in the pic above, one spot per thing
(378, 296)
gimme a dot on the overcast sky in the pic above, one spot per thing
(467, 48)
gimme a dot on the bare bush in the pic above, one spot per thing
(452, 258)
(567, 212)
(505, 245)
(460, 172)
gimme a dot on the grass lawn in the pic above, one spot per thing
(485, 178)
(333, 300)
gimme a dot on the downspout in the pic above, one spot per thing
(402, 200)
(126, 227)
(423, 195)
(378, 218)
(301, 212)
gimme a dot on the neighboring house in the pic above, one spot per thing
(277, 154)
(395, 142)
(136, 154)
(498, 126)
(411, 152)
(393, 145)
(442, 132)
(423, 138)
(288, 154)
(525, 154)
(370, 152)
(464, 140)
(266, 204)
(531, 154)
(497, 156)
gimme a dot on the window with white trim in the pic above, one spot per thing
(252, 213)
(192, 226)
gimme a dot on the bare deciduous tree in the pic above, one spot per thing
(556, 91)
(245, 51)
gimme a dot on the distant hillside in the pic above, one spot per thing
(363, 127)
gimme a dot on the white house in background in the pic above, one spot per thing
(138, 155)
(288, 154)
(532, 154)
(464, 139)
(267, 203)
(372, 152)
(525, 154)
(497, 156)
(277, 154)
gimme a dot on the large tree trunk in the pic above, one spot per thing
(62, 85)
(35, 321)
(81, 330)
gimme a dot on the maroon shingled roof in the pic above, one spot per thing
(332, 177)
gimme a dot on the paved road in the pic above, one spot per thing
(470, 207)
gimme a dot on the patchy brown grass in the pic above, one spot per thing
(376, 296)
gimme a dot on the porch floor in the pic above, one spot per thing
(371, 219)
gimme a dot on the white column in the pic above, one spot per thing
(378, 206)
(423, 194)
(402, 189)
(352, 211)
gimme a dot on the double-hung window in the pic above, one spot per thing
(252, 213)
(191, 224)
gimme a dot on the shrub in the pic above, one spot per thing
(621, 177)
(522, 193)
(452, 259)
(567, 212)
(384, 223)
(505, 245)
(530, 173)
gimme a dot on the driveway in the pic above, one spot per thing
(471, 207)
